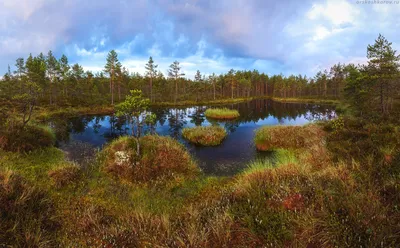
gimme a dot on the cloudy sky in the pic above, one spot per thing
(272, 36)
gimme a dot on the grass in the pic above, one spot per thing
(222, 113)
(306, 100)
(205, 136)
(51, 112)
(274, 137)
(28, 138)
(310, 193)
(160, 157)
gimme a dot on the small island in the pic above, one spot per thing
(222, 113)
(205, 136)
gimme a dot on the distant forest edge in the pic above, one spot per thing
(45, 80)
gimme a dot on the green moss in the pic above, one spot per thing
(222, 113)
(205, 136)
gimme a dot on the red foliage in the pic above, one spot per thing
(294, 202)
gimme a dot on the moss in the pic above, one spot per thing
(222, 113)
(205, 136)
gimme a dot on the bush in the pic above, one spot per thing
(359, 140)
(26, 139)
(270, 138)
(206, 136)
(222, 113)
(161, 157)
(25, 213)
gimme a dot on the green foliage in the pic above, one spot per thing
(337, 124)
(134, 108)
(222, 113)
(206, 136)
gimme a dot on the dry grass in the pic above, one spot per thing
(222, 113)
(161, 157)
(205, 136)
(26, 213)
(288, 137)
(64, 175)
(26, 139)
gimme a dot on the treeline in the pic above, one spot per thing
(52, 81)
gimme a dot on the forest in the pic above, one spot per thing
(62, 84)
(321, 163)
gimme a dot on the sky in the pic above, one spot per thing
(272, 36)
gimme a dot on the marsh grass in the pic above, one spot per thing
(28, 138)
(64, 175)
(26, 212)
(205, 136)
(222, 113)
(302, 196)
(275, 137)
(160, 157)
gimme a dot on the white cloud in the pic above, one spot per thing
(337, 12)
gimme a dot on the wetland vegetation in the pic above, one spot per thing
(285, 175)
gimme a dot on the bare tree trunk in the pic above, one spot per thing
(112, 92)
(214, 89)
(119, 91)
(176, 90)
(151, 88)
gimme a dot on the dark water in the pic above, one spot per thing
(77, 136)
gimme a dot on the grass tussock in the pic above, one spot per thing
(28, 138)
(275, 137)
(26, 213)
(64, 175)
(299, 203)
(161, 157)
(205, 136)
(222, 113)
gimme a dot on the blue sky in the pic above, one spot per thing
(292, 36)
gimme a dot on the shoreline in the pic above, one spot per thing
(44, 113)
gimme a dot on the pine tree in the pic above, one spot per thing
(175, 73)
(151, 73)
(383, 69)
(110, 68)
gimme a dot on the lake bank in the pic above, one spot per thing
(228, 158)
(44, 113)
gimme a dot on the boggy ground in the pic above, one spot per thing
(205, 136)
(309, 195)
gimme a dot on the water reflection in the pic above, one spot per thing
(227, 159)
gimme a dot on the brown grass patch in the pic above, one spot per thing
(270, 138)
(65, 175)
(161, 157)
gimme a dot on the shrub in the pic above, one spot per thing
(206, 136)
(161, 157)
(64, 175)
(270, 138)
(222, 113)
(26, 139)
(26, 213)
